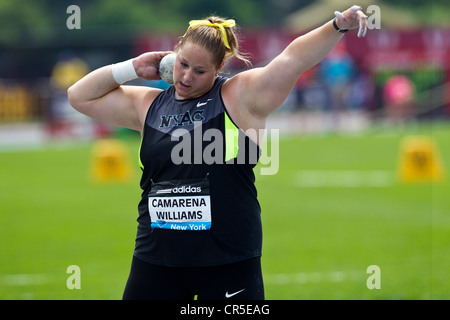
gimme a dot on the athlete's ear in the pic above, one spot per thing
(220, 68)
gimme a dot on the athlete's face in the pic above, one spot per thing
(194, 72)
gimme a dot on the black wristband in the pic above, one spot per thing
(337, 28)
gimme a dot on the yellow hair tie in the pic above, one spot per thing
(221, 25)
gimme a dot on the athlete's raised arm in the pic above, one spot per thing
(258, 92)
(100, 95)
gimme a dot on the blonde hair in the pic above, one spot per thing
(211, 38)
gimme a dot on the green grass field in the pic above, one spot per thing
(319, 238)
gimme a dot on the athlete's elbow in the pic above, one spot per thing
(71, 95)
(74, 98)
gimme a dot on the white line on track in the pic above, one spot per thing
(343, 178)
(313, 277)
(32, 279)
(275, 279)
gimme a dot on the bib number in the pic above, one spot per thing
(180, 205)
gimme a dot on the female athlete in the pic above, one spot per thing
(199, 226)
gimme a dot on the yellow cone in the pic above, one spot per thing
(110, 161)
(419, 160)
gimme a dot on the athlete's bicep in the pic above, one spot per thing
(122, 107)
(262, 90)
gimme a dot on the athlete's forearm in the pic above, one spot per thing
(309, 49)
(95, 85)
(102, 81)
(266, 88)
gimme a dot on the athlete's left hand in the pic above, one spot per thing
(352, 18)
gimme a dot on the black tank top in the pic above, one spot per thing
(199, 203)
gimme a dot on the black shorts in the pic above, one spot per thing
(237, 281)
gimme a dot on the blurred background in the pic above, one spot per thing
(40, 57)
(347, 197)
